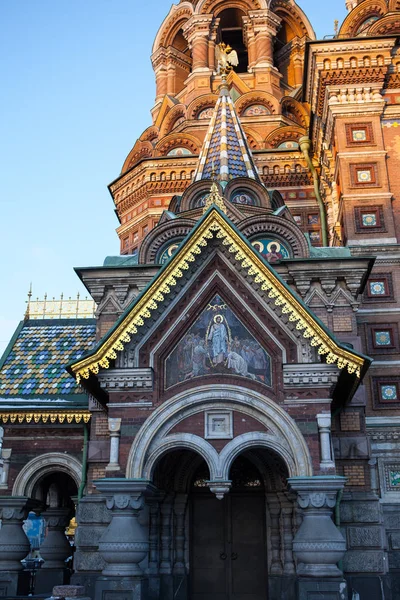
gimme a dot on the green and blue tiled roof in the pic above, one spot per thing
(32, 369)
(225, 152)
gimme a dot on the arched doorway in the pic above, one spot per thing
(203, 548)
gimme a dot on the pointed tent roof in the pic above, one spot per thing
(215, 224)
(225, 150)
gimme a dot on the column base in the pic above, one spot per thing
(318, 570)
(121, 588)
(13, 583)
(46, 579)
(308, 589)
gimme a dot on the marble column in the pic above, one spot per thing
(324, 428)
(318, 544)
(5, 456)
(154, 535)
(114, 427)
(14, 544)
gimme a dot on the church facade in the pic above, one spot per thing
(228, 425)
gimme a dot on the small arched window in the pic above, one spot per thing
(153, 177)
(163, 176)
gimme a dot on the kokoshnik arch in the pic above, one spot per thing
(221, 415)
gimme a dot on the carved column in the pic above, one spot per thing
(197, 30)
(6, 456)
(318, 544)
(14, 544)
(125, 543)
(250, 41)
(158, 60)
(180, 511)
(265, 25)
(114, 427)
(154, 535)
(324, 427)
(166, 538)
(275, 535)
(287, 524)
(56, 548)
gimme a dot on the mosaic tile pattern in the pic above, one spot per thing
(389, 392)
(377, 288)
(383, 338)
(359, 135)
(36, 363)
(225, 150)
(369, 219)
(364, 176)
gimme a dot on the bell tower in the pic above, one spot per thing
(264, 88)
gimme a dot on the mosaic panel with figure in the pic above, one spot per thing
(217, 343)
(270, 249)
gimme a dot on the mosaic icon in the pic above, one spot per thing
(272, 250)
(168, 252)
(256, 110)
(179, 152)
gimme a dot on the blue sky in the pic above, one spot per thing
(77, 88)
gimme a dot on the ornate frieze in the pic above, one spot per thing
(306, 375)
(127, 379)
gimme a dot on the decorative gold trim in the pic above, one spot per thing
(214, 225)
(44, 417)
(214, 198)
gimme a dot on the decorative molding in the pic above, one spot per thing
(127, 379)
(44, 417)
(214, 225)
(304, 375)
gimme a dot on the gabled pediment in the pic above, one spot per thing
(216, 229)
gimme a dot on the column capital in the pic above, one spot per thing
(17, 508)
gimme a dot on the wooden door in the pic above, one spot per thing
(228, 554)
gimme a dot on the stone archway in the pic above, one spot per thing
(282, 435)
(43, 465)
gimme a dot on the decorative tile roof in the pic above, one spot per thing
(32, 369)
(225, 151)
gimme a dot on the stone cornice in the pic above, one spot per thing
(306, 375)
(127, 380)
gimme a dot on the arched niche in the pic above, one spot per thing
(256, 193)
(161, 237)
(42, 466)
(278, 228)
(195, 195)
(230, 32)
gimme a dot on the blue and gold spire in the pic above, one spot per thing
(225, 153)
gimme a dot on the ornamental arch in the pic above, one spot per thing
(277, 432)
(42, 466)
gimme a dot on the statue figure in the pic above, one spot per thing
(225, 58)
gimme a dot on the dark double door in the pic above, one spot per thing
(228, 550)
